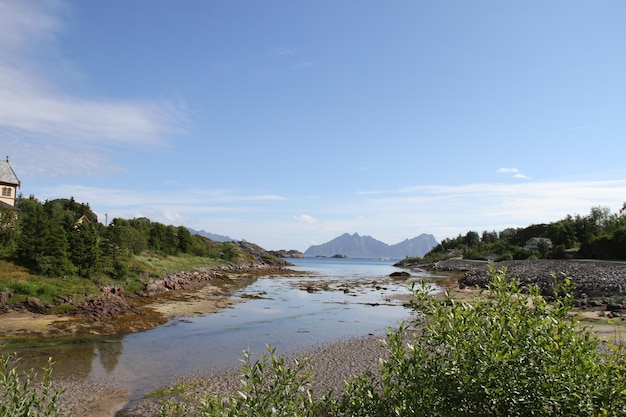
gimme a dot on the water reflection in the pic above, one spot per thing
(109, 354)
(72, 358)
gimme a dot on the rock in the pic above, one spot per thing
(614, 307)
(400, 274)
(5, 296)
(283, 253)
(34, 305)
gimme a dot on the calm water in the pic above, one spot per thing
(284, 313)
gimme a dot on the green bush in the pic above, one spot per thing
(22, 288)
(22, 396)
(506, 353)
(270, 387)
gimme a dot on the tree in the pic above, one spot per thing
(84, 248)
(8, 228)
(33, 229)
(229, 252)
(489, 237)
(42, 244)
(471, 239)
(184, 239)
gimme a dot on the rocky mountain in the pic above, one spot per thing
(212, 236)
(356, 246)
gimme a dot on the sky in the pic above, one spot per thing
(288, 123)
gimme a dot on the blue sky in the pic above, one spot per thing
(289, 123)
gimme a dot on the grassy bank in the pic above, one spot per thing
(61, 292)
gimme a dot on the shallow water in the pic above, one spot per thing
(288, 312)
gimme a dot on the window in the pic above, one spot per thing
(6, 192)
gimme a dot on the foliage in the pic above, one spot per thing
(8, 228)
(61, 240)
(599, 235)
(22, 396)
(270, 387)
(506, 353)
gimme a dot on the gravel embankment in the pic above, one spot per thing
(589, 278)
(330, 365)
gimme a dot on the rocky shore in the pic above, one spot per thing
(589, 278)
(114, 312)
(595, 284)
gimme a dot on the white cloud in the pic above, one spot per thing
(24, 23)
(194, 199)
(484, 206)
(508, 170)
(34, 109)
(516, 173)
(305, 218)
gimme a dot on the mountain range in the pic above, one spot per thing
(356, 246)
(212, 236)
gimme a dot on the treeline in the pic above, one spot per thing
(62, 237)
(598, 235)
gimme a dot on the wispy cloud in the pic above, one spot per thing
(34, 108)
(305, 218)
(127, 197)
(180, 206)
(515, 173)
(446, 210)
(388, 215)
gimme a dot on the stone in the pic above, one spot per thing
(400, 274)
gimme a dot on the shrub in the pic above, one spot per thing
(22, 396)
(22, 288)
(270, 387)
(505, 354)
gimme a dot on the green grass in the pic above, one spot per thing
(159, 265)
(60, 292)
(22, 285)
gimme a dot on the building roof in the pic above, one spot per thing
(4, 205)
(7, 175)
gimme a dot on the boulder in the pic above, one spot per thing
(5, 296)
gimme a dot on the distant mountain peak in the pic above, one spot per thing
(212, 236)
(356, 246)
